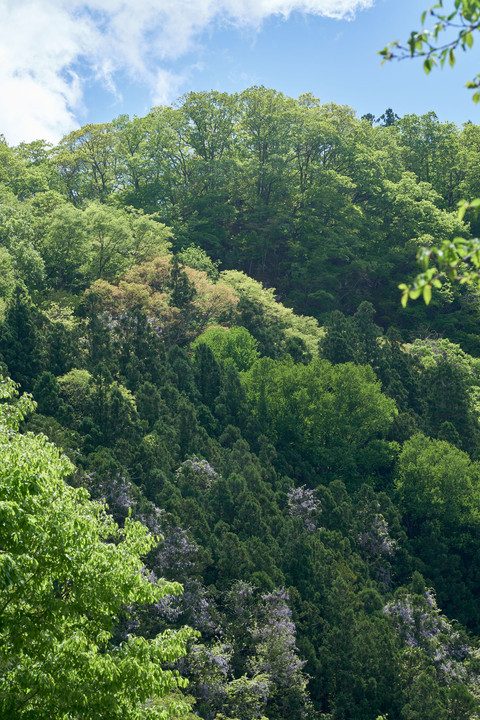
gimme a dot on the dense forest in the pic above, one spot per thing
(238, 480)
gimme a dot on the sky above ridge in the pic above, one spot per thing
(65, 63)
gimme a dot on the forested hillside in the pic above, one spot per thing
(204, 305)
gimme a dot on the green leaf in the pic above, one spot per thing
(427, 294)
(451, 58)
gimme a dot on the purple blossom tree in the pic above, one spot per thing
(422, 626)
(304, 505)
(375, 541)
(215, 688)
(200, 471)
(177, 555)
(376, 545)
(274, 631)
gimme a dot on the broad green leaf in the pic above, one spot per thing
(427, 293)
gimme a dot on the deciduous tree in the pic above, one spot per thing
(67, 572)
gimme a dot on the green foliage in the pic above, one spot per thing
(437, 487)
(98, 241)
(458, 258)
(195, 257)
(233, 343)
(67, 573)
(76, 387)
(306, 328)
(261, 450)
(20, 344)
(455, 260)
(438, 482)
(325, 414)
(432, 352)
(299, 195)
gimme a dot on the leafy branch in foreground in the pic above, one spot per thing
(456, 260)
(463, 21)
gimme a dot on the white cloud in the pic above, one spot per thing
(44, 42)
(167, 86)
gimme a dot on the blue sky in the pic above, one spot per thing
(64, 63)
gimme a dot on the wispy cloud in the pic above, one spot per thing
(43, 43)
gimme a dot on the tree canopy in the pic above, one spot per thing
(203, 304)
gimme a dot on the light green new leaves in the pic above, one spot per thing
(438, 482)
(235, 343)
(67, 572)
(300, 326)
(319, 406)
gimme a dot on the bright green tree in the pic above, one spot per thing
(437, 487)
(67, 573)
(234, 343)
(332, 416)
